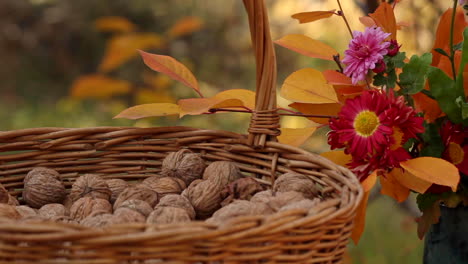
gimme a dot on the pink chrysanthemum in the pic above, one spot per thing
(364, 51)
(359, 128)
(461, 2)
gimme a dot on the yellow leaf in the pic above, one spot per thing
(295, 136)
(122, 48)
(410, 181)
(98, 86)
(318, 109)
(234, 98)
(360, 218)
(337, 156)
(307, 17)
(148, 110)
(185, 26)
(433, 170)
(392, 188)
(307, 46)
(114, 24)
(172, 68)
(308, 86)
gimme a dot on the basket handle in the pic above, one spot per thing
(264, 123)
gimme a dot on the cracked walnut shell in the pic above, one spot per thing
(183, 164)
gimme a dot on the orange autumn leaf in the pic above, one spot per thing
(360, 218)
(337, 156)
(295, 136)
(318, 109)
(234, 98)
(392, 188)
(385, 18)
(171, 67)
(430, 216)
(367, 21)
(409, 181)
(308, 86)
(307, 17)
(428, 106)
(122, 48)
(345, 92)
(114, 24)
(336, 78)
(98, 86)
(433, 170)
(307, 46)
(149, 110)
(442, 39)
(185, 26)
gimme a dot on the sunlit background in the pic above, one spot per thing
(69, 63)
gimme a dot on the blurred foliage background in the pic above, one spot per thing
(73, 63)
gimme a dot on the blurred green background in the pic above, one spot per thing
(69, 63)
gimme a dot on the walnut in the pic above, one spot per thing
(42, 188)
(9, 211)
(275, 202)
(238, 208)
(4, 195)
(178, 201)
(41, 171)
(26, 211)
(99, 220)
(137, 193)
(87, 205)
(138, 205)
(64, 219)
(305, 204)
(116, 186)
(90, 185)
(241, 189)
(164, 185)
(167, 215)
(183, 164)
(223, 172)
(68, 202)
(12, 200)
(292, 181)
(125, 215)
(54, 210)
(191, 186)
(205, 198)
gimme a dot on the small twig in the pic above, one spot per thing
(342, 14)
(452, 51)
(336, 58)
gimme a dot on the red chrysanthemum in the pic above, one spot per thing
(359, 127)
(456, 151)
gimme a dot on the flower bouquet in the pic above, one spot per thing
(401, 120)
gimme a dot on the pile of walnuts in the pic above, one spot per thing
(186, 189)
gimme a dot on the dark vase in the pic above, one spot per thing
(447, 241)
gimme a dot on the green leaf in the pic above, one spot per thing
(398, 60)
(389, 81)
(433, 146)
(441, 51)
(414, 75)
(464, 110)
(426, 200)
(458, 46)
(446, 93)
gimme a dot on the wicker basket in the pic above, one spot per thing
(136, 153)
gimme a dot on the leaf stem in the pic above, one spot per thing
(452, 51)
(342, 14)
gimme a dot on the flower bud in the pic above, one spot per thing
(379, 67)
(394, 48)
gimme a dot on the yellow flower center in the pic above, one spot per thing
(366, 123)
(398, 136)
(456, 153)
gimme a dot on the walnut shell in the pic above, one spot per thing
(167, 215)
(164, 185)
(137, 193)
(99, 220)
(41, 189)
(138, 205)
(183, 164)
(125, 215)
(205, 198)
(116, 186)
(87, 205)
(4, 195)
(292, 181)
(41, 171)
(9, 211)
(305, 204)
(90, 185)
(12, 200)
(51, 211)
(26, 211)
(222, 172)
(238, 208)
(178, 201)
(241, 189)
(275, 202)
